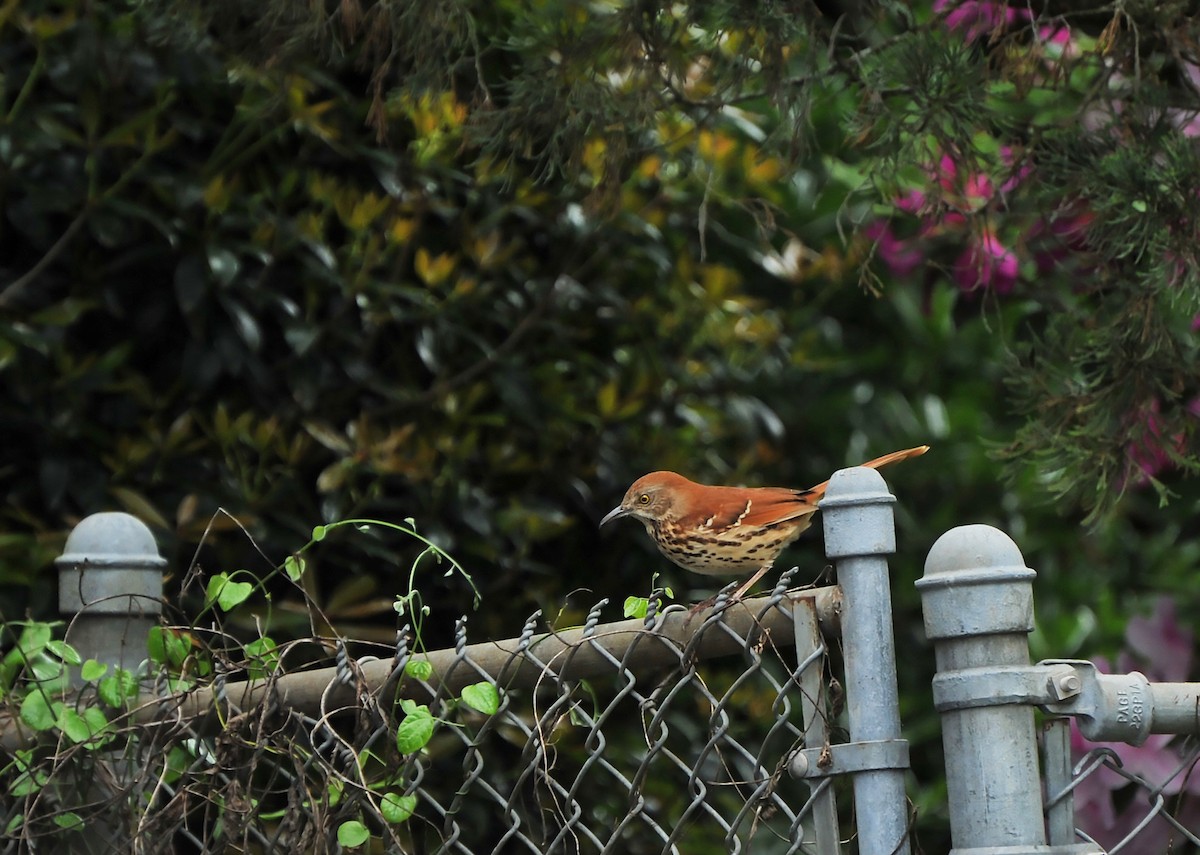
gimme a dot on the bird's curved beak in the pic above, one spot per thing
(615, 514)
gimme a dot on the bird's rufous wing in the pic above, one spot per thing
(730, 507)
(773, 505)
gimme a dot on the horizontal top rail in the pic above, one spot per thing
(520, 662)
(514, 663)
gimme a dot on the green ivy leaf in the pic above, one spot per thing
(352, 834)
(97, 724)
(419, 669)
(29, 782)
(83, 728)
(37, 711)
(73, 725)
(319, 532)
(397, 808)
(213, 589)
(179, 684)
(636, 607)
(226, 593)
(34, 638)
(335, 789)
(482, 696)
(125, 682)
(416, 730)
(64, 651)
(93, 670)
(156, 645)
(69, 821)
(264, 653)
(294, 566)
(234, 594)
(49, 673)
(168, 647)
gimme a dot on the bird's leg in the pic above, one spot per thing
(737, 595)
(749, 583)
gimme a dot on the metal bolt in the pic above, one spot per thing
(799, 765)
(1063, 686)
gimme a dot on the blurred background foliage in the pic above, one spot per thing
(482, 264)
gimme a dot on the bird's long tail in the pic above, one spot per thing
(896, 456)
(816, 492)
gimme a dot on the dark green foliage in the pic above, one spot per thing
(481, 264)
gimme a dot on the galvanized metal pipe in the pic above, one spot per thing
(513, 663)
(977, 597)
(110, 589)
(860, 533)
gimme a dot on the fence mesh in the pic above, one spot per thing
(687, 757)
(1133, 800)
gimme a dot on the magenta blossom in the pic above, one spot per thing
(1062, 237)
(1148, 451)
(965, 190)
(987, 263)
(911, 201)
(974, 18)
(1160, 643)
(968, 191)
(899, 256)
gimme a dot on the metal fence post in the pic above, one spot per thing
(977, 597)
(860, 533)
(110, 589)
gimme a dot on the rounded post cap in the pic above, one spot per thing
(857, 515)
(856, 485)
(967, 548)
(111, 539)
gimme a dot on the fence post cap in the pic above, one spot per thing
(111, 539)
(973, 547)
(856, 514)
(976, 584)
(857, 485)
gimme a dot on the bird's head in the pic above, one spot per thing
(652, 498)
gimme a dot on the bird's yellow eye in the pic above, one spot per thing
(644, 499)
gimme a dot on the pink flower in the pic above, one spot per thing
(969, 191)
(1149, 452)
(1161, 643)
(1060, 238)
(910, 201)
(1016, 176)
(1145, 451)
(987, 263)
(899, 256)
(977, 17)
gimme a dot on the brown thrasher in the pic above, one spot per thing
(725, 530)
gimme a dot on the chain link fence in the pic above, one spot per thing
(671, 737)
(1120, 799)
(721, 731)
(686, 757)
